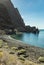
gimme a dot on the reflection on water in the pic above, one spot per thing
(33, 39)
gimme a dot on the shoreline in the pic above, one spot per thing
(9, 39)
(32, 52)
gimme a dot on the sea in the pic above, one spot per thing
(32, 39)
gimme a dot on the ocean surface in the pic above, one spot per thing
(32, 39)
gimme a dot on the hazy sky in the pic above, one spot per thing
(32, 11)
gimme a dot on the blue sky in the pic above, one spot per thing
(32, 11)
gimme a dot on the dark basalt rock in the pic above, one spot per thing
(10, 19)
(31, 29)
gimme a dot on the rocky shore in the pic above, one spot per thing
(18, 53)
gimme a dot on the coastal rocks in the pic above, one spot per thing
(22, 58)
(31, 29)
(10, 19)
(14, 48)
(41, 59)
(11, 53)
(20, 47)
(21, 52)
(9, 56)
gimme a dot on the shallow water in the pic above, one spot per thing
(32, 39)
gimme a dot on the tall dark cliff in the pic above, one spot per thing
(10, 18)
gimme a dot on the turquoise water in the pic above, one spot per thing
(32, 39)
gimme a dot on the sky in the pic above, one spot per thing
(32, 12)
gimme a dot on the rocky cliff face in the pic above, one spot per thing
(5, 20)
(10, 18)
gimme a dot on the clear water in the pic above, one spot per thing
(32, 39)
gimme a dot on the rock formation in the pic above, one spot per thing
(31, 29)
(10, 17)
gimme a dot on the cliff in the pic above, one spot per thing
(10, 17)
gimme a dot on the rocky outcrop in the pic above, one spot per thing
(31, 29)
(10, 18)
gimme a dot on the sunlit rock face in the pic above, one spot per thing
(10, 16)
